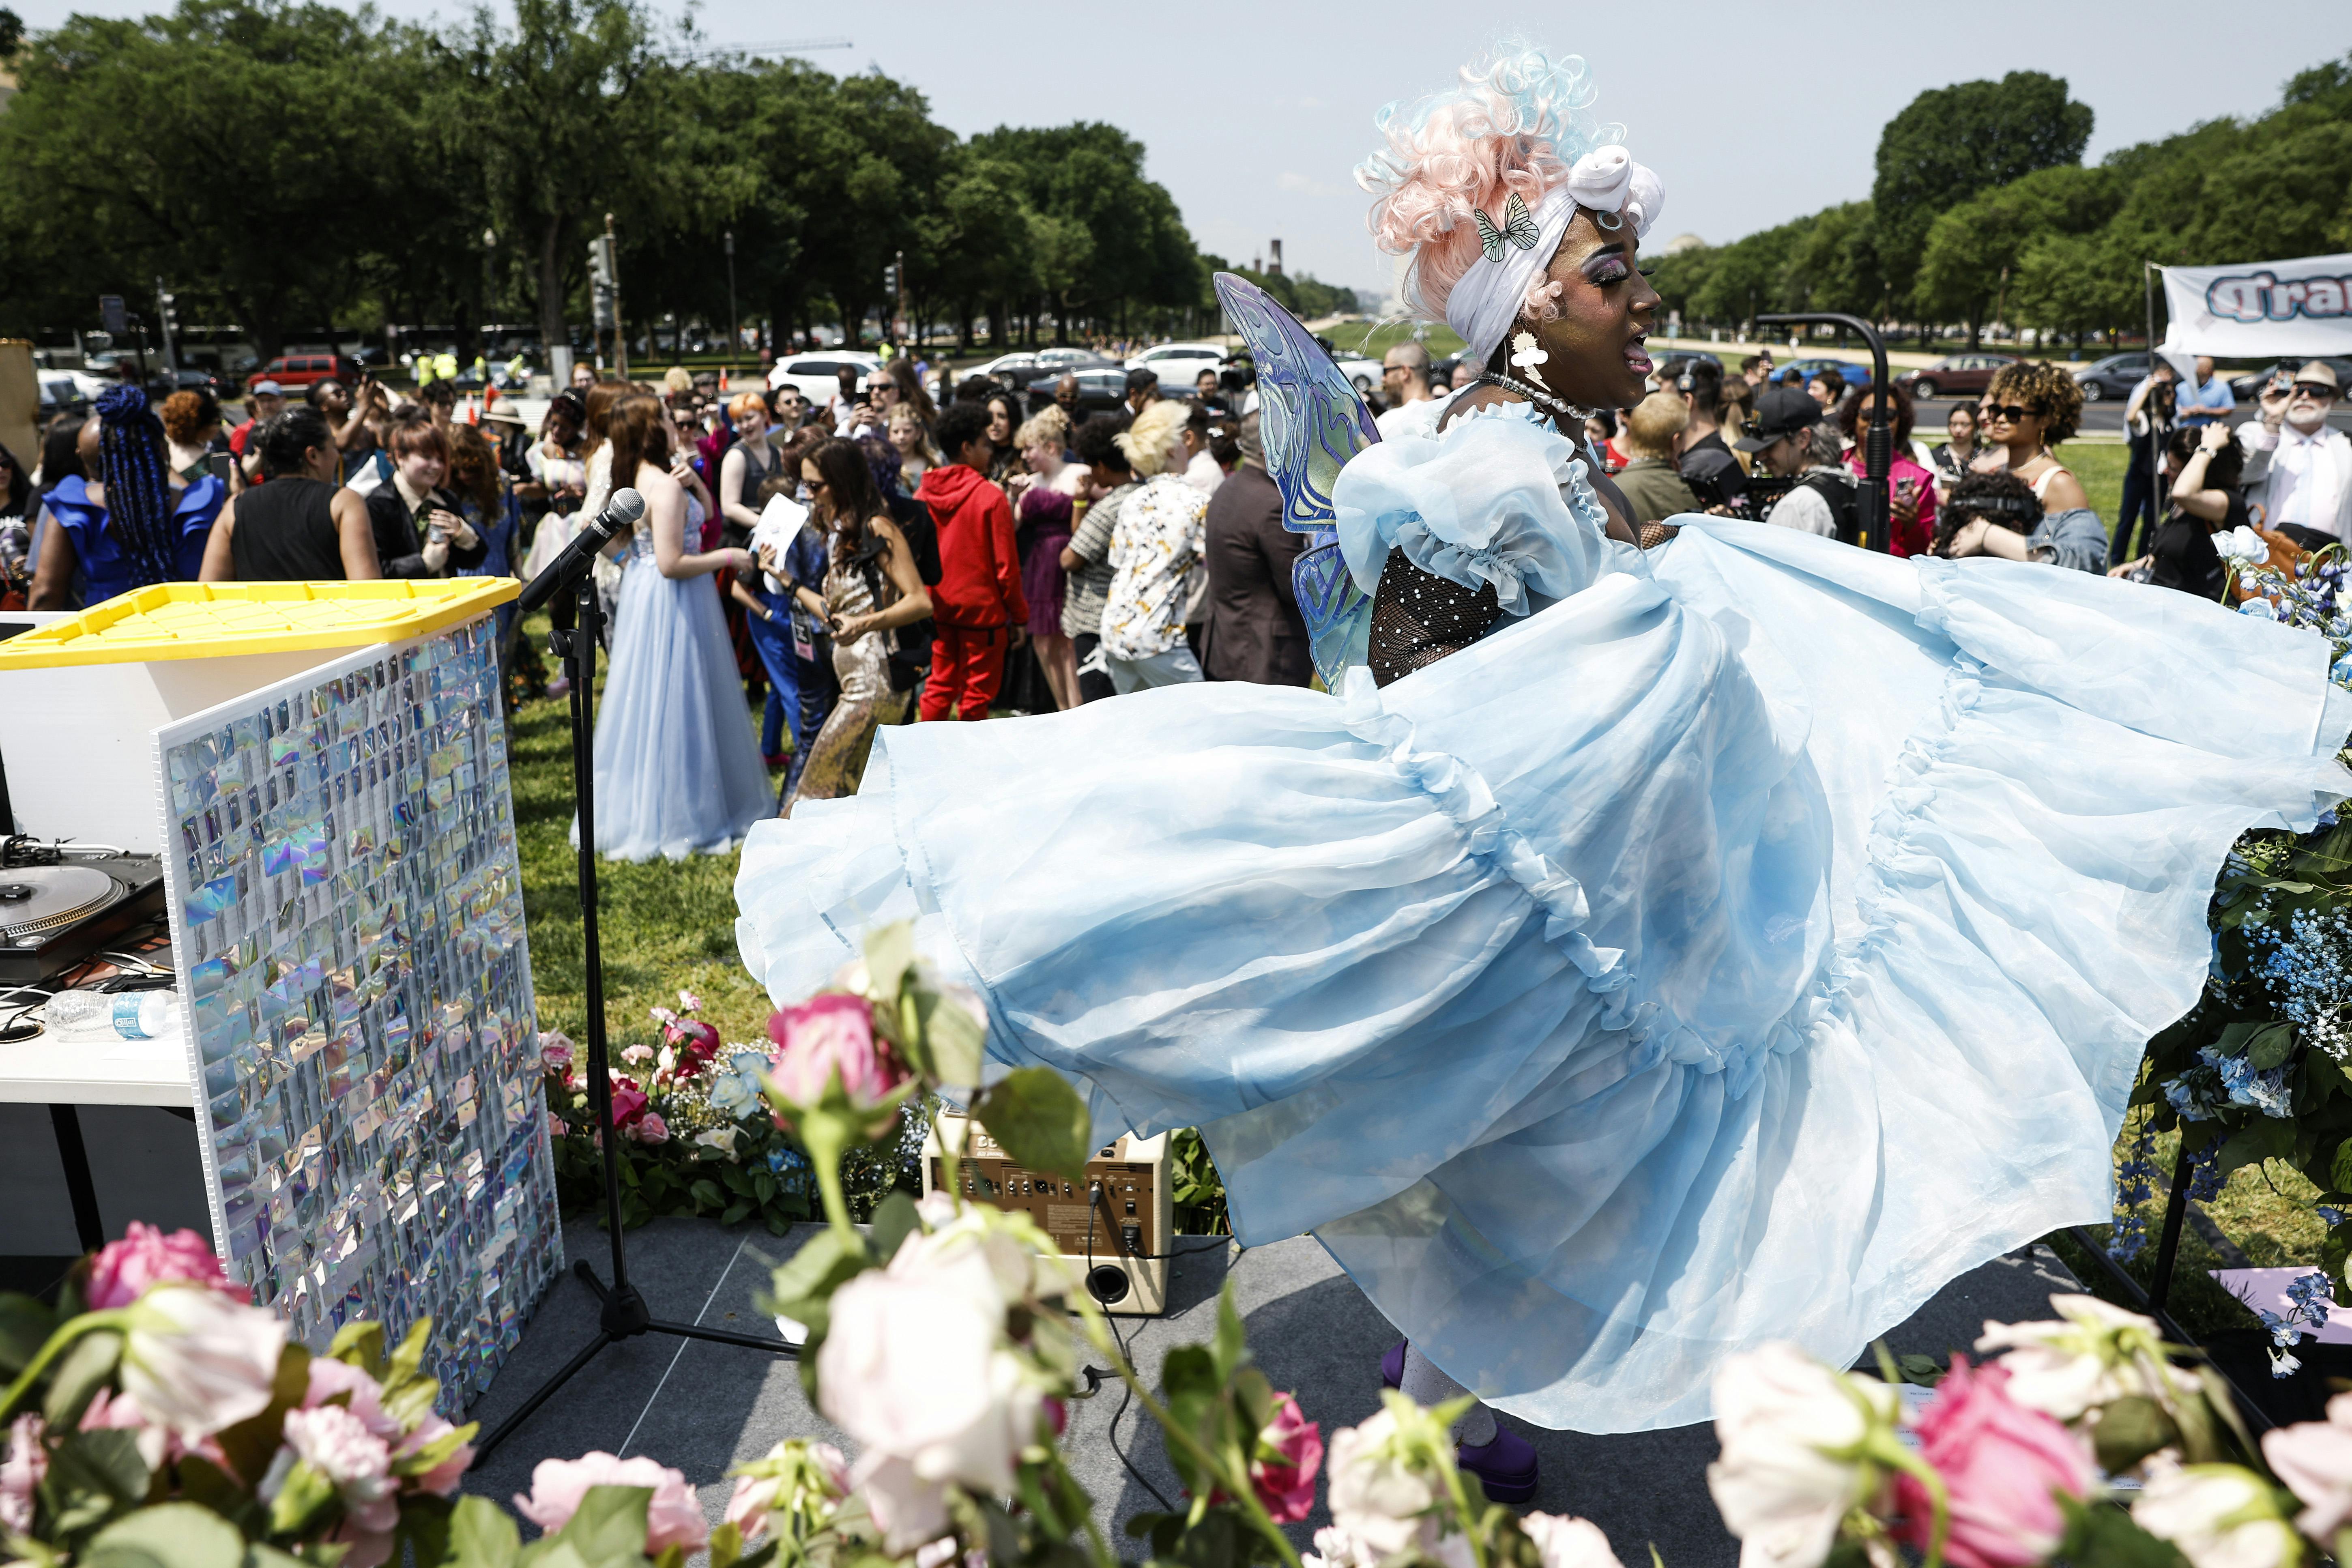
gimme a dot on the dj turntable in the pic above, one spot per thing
(68, 904)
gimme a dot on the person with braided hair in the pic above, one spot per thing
(137, 525)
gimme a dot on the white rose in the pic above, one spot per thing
(1779, 1416)
(1569, 1542)
(1375, 1498)
(2241, 544)
(197, 1361)
(917, 1370)
(2099, 1353)
(2220, 1515)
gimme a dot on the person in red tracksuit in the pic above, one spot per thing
(977, 605)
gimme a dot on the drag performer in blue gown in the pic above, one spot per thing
(1638, 955)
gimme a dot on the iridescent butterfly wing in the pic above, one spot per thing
(1311, 422)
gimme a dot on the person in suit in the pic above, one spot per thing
(1255, 630)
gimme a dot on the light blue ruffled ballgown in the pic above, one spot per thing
(678, 769)
(1749, 940)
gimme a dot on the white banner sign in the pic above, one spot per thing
(2267, 309)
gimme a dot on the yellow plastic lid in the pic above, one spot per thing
(211, 620)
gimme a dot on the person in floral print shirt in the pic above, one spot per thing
(1154, 549)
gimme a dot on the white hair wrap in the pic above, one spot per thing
(1489, 297)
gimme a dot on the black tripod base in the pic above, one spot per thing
(625, 1316)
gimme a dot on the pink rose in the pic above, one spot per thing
(123, 1269)
(2315, 1459)
(1285, 1484)
(673, 1518)
(2003, 1465)
(555, 1051)
(21, 1470)
(338, 1445)
(697, 1046)
(648, 1128)
(826, 1035)
(330, 1377)
(441, 1478)
(629, 1102)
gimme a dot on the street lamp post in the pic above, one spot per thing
(734, 321)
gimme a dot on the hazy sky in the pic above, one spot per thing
(1254, 114)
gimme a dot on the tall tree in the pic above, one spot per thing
(230, 147)
(1952, 141)
(565, 105)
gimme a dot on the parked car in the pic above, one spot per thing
(1101, 389)
(292, 372)
(62, 392)
(818, 374)
(1797, 373)
(2114, 376)
(2248, 388)
(187, 378)
(1954, 376)
(1179, 366)
(1016, 368)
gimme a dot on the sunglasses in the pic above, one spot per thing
(2008, 412)
(2319, 389)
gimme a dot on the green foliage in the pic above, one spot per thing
(1040, 1120)
(160, 146)
(1195, 1188)
(1950, 142)
(1984, 178)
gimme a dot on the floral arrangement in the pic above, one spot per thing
(2083, 1442)
(695, 1138)
(2261, 1070)
(947, 1340)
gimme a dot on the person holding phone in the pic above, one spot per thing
(419, 528)
(871, 588)
(1910, 486)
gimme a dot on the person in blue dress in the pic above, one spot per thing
(1641, 954)
(678, 771)
(137, 525)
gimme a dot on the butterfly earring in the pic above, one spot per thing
(1526, 352)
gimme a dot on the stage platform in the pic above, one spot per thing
(704, 1408)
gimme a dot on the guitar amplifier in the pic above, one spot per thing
(1120, 1218)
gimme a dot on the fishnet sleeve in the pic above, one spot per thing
(1419, 617)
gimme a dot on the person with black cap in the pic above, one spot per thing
(1782, 438)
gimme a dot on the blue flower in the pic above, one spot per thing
(736, 1090)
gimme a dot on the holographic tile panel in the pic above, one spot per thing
(347, 909)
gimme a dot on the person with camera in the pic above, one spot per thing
(2147, 425)
(420, 530)
(1706, 463)
(1790, 440)
(2206, 466)
(1910, 487)
(2296, 467)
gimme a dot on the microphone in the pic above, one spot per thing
(620, 514)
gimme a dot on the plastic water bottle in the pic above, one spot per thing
(112, 1014)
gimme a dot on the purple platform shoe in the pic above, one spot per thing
(1392, 1366)
(1506, 1466)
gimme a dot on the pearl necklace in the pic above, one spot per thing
(1562, 411)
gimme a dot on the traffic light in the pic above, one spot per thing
(602, 279)
(890, 280)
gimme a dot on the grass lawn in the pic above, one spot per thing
(664, 926)
(1374, 342)
(2100, 467)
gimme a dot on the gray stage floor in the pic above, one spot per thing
(703, 1407)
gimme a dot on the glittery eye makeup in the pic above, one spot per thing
(1606, 266)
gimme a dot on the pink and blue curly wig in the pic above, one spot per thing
(1516, 124)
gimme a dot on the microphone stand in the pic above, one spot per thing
(625, 1314)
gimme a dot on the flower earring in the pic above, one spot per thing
(1525, 354)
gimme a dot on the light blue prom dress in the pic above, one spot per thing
(678, 769)
(1749, 940)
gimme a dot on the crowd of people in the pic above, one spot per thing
(911, 548)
